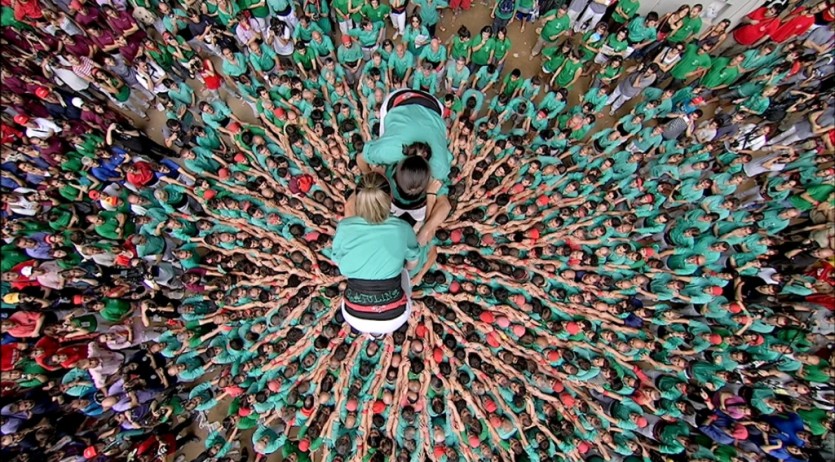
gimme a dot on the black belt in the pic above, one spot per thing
(419, 97)
(377, 300)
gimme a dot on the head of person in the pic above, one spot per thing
(373, 198)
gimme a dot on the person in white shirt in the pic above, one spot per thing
(37, 127)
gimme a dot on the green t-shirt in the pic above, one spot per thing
(460, 48)
(555, 27)
(692, 60)
(323, 48)
(481, 57)
(628, 7)
(569, 71)
(720, 73)
(638, 31)
(401, 65)
(690, 26)
(406, 125)
(501, 48)
(373, 251)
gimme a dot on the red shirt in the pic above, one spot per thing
(24, 9)
(142, 175)
(750, 34)
(9, 355)
(793, 27)
(9, 134)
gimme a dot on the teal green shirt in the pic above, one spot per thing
(373, 251)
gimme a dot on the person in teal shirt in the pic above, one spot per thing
(374, 251)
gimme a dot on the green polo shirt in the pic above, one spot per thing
(323, 48)
(366, 38)
(350, 54)
(401, 65)
(265, 62)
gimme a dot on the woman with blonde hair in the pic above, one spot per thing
(375, 252)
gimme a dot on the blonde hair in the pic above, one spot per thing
(373, 198)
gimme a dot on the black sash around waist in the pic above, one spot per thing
(377, 300)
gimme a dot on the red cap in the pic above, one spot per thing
(438, 355)
(439, 451)
(533, 233)
(557, 386)
(312, 236)
(503, 322)
(420, 331)
(351, 405)
(487, 239)
(642, 422)
(583, 447)
(454, 287)
(716, 290)
(758, 340)
(42, 92)
(567, 400)
(487, 317)
(346, 39)
(279, 112)
(94, 194)
(274, 385)
(490, 405)
(517, 188)
(223, 173)
(740, 432)
(378, 406)
(244, 411)
(698, 100)
(209, 194)
(492, 340)
(90, 452)
(495, 420)
(649, 251)
(572, 328)
(542, 114)
(554, 356)
(542, 201)
(456, 236)
(240, 158)
(518, 330)
(77, 299)
(474, 441)
(519, 299)
(234, 127)
(735, 307)
(21, 119)
(304, 444)
(715, 339)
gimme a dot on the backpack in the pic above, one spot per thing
(506, 7)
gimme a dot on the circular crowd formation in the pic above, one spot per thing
(637, 264)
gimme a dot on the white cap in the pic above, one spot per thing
(77, 102)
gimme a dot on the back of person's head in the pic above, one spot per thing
(373, 198)
(412, 175)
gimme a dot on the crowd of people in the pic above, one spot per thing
(637, 262)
